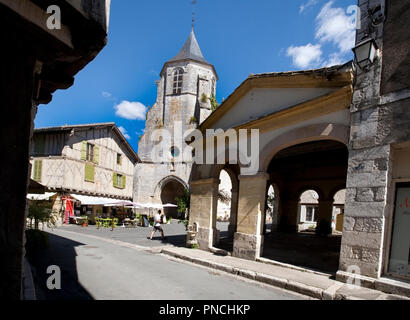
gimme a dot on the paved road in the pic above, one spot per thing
(99, 269)
(175, 233)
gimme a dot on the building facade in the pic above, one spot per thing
(184, 94)
(376, 240)
(36, 62)
(90, 164)
(303, 121)
(344, 127)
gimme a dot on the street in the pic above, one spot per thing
(100, 269)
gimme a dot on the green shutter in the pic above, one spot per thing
(38, 167)
(96, 159)
(89, 172)
(114, 179)
(84, 151)
(123, 182)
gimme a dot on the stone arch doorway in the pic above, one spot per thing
(339, 199)
(271, 208)
(226, 211)
(170, 190)
(308, 210)
(319, 167)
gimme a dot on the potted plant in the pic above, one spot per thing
(85, 222)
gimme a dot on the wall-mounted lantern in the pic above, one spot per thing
(365, 53)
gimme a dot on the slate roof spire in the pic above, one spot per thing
(190, 50)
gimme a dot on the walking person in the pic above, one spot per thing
(157, 225)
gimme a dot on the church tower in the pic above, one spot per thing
(184, 94)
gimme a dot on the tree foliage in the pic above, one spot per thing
(271, 202)
(42, 212)
(183, 204)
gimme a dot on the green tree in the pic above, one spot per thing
(42, 212)
(183, 204)
(271, 202)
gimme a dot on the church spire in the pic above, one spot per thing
(190, 50)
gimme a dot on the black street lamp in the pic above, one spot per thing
(365, 53)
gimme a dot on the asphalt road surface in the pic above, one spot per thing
(92, 268)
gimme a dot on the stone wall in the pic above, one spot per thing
(378, 122)
(172, 111)
(35, 63)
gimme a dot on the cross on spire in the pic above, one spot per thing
(194, 2)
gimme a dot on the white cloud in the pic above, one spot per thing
(333, 25)
(305, 56)
(130, 110)
(141, 132)
(124, 132)
(334, 59)
(306, 5)
(106, 94)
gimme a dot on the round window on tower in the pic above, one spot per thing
(174, 152)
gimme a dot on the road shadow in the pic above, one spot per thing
(61, 253)
(304, 250)
(175, 240)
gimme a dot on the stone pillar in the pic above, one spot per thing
(234, 213)
(16, 90)
(366, 207)
(369, 169)
(203, 211)
(248, 239)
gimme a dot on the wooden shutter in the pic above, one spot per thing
(123, 182)
(114, 179)
(38, 168)
(84, 151)
(89, 172)
(96, 159)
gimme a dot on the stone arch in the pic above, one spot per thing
(164, 181)
(170, 188)
(311, 133)
(303, 207)
(305, 188)
(233, 170)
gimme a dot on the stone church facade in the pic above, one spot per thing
(186, 85)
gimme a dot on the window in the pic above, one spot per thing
(119, 159)
(310, 214)
(90, 152)
(118, 180)
(178, 80)
(213, 86)
(174, 152)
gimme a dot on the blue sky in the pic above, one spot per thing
(239, 37)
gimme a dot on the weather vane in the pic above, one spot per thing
(194, 2)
